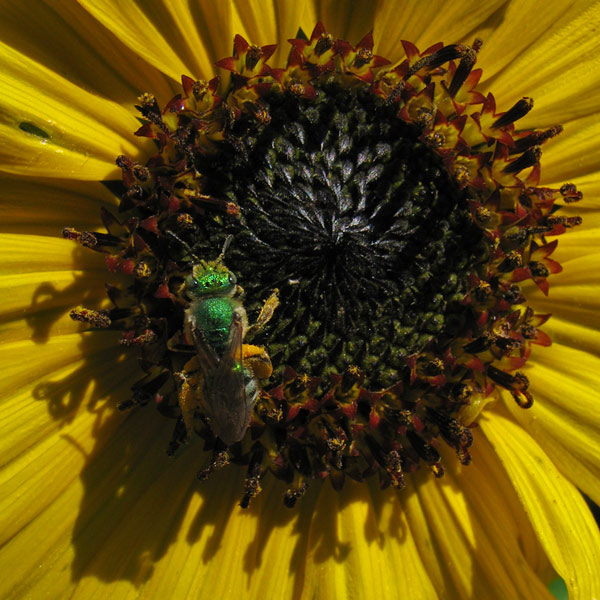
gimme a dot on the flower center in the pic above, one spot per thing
(379, 221)
(355, 220)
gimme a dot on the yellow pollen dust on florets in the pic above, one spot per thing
(305, 428)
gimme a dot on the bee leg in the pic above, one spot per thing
(189, 384)
(257, 361)
(266, 312)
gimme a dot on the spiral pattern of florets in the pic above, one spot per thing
(395, 211)
(356, 221)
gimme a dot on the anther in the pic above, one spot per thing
(518, 111)
(147, 337)
(220, 459)
(293, 494)
(85, 238)
(395, 93)
(438, 470)
(481, 344)
(142, 270)
(512, 261)
(462, 175)
(432, 61)
(363, 57)
(464, 67)
(149, 108)
(527, 159)
(199, 89)
(252, 484)
(225, 206)
(538, 269)
(325, 43)
(534, 139)
(95, 318)
(483, 215)
(297, 88)
(142, 173)
(253, 55)
(393, 465)
(569, 192)
(514, 295)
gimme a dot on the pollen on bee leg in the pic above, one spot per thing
(393, 326)
(188, 383)
(257, 360)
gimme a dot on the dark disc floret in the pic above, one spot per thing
(355, 220)
(379, 220)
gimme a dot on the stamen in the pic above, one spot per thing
(335, 249)
(527, 159)
(94, 317)
(518, 111)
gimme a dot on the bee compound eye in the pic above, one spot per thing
(232, 279)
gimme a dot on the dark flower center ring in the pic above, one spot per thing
(393, 210)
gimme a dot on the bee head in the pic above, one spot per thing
(210, 279)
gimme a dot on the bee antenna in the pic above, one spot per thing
(185, 245)
(226, 245)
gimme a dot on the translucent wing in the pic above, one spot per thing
(225, 390)
(207, 357)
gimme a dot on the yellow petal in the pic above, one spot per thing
(264, 22)
(353, 539)
(82, 51)
(565, 336)
(573, 153)
(558, 513)
(145, 29)
(475, 536)
(345, 19)
(578, 242)
(545, 64)
(427, 23)
(200, 33)
(37, 278)
(51, 128)
(43, 208)
(567, 430)
(57, 440)
(36, 254)
(573, 293)
(495, 506)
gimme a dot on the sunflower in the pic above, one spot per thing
(92, 504)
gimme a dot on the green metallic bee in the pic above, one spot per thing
(226, 384)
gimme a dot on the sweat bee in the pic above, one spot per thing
(224, 375)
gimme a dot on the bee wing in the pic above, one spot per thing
(225, 390)
(207, 357)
